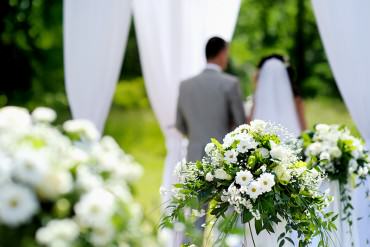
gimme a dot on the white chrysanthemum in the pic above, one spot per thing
(209, 148)
(18, 204)
(64, 232)
(254, 190)
(266, 181)
(102, 236)
(209, 177)
(245, 145)
(222, 175)
(44, 114)
(14, 117)
(55, 183)
(87, 180)
(95, 208)
(30, 166)
(258, 125)
(6, 167)
(231, 156)
(84, 128)
(243, 178)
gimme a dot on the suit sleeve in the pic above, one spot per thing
(237, 111)
(180, 118)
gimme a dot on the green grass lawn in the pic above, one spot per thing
(138, 133)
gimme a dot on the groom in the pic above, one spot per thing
(210, 104)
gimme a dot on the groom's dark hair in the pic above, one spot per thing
(214, 46)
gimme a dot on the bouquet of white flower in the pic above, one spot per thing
(256, 175)
(340, 155)
(64, 187)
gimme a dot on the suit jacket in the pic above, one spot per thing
(209, 106)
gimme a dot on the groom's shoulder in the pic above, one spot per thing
(229, 78)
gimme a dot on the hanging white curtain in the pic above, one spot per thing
(171, 37)
(345, 30)
(95, 36)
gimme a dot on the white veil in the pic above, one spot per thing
(274, 100)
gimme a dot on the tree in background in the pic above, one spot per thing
(287, 27)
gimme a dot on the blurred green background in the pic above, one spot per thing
(31, 72)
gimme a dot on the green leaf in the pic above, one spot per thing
(246, 216)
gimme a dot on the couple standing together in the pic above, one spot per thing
(211, 104)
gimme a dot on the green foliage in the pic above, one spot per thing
(131, 94)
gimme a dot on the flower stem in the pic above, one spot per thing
(250, 229)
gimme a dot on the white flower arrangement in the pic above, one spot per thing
(341, 156)
(64, 187)
(255, 173)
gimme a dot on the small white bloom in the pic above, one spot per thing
(84, 128)
(279, 152)
(258, 125)
(254, 190)
(282, 173)
(363, 171)
(314, 148)
(209, 148)
(30, 166)
(228, 141)
(95, 208)
(324, 156)
(335, 152)
(231, 156)
(266, 181)
(353, 165)
(5, 168)
(14, 117)
(222, 175)
(209, 177)
(243, 178)
(63, 231)
(102, 236)
(44, 114)
(55, 183)
(18, 204)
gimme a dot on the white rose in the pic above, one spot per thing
(264, 152)
(314, 148)
(282, 174)
(209, 177)
(44, 114)
(258, 125)
(222, 175)
(324, 156)
(335, 152)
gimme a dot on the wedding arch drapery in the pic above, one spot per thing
(345, 30)
(95, 36)
(171, 38)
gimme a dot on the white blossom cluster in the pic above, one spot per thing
(330, 143)
(85, 177)
(248, 183)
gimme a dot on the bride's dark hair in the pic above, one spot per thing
(289, 68)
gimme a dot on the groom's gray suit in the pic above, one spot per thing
(209, 106)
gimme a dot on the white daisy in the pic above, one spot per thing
(266, 181)
(231, 156)
(5, 169)
(18, 204)
(245, 145)
(254, 190)
(243, 178)
(228, 141)
(14, 117)
(84, 128)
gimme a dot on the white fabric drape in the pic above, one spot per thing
(171, 37)
(344, 29)
(95, 36)
(274, 100)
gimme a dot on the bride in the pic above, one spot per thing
(276, 99)
(276, 96)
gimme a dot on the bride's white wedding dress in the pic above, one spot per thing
(274, 102)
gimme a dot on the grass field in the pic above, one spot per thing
(138, 133)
